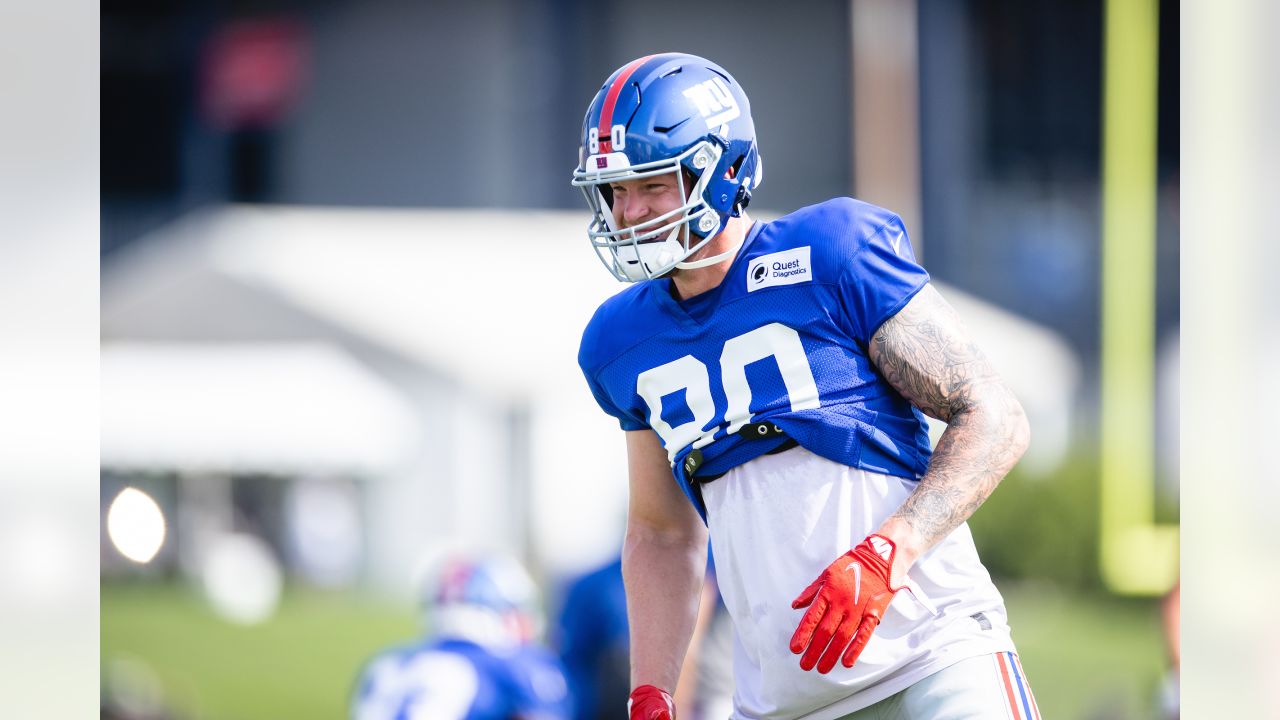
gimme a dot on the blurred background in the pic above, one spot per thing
(343, 279)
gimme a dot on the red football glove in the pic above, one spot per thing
(650, 703)
(848, 600)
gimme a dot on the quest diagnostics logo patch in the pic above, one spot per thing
(781, 268)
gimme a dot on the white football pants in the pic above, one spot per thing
(987, 687)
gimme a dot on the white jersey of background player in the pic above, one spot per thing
(771, 379)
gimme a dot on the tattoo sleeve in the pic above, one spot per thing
(926, 354)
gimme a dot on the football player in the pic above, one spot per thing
(771, 380)
(480, 660)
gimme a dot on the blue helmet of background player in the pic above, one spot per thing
(667, 114)
(489, 600)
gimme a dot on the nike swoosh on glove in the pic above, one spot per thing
(845, 603)
(648, 702)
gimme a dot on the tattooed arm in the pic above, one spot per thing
(926, 354)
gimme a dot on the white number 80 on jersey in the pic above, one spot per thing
(690, 374)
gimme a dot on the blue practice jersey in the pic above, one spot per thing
(460, 680)
(782, 340)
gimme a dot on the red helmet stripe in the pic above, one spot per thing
(606, 113)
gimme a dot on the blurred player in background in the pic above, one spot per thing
(771, 379)
(592, 636)
(479, 661)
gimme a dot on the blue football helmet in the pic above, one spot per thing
(488, 599)
(671, 113)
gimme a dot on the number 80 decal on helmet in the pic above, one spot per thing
(670, 114)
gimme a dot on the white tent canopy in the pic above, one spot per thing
(282, 407)
(496, 299)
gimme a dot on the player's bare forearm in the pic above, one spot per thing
(663, 575)
(664, 559)
(926, 354)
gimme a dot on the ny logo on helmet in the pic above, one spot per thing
(715, 102)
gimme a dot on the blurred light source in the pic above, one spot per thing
(136, 525)
(242, 579)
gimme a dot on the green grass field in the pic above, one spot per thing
(299, 664)
(1088, 658)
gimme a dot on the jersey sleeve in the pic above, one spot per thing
(625, 420)
(880, 278)
(593, 354)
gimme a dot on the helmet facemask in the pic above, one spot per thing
(655, 247)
